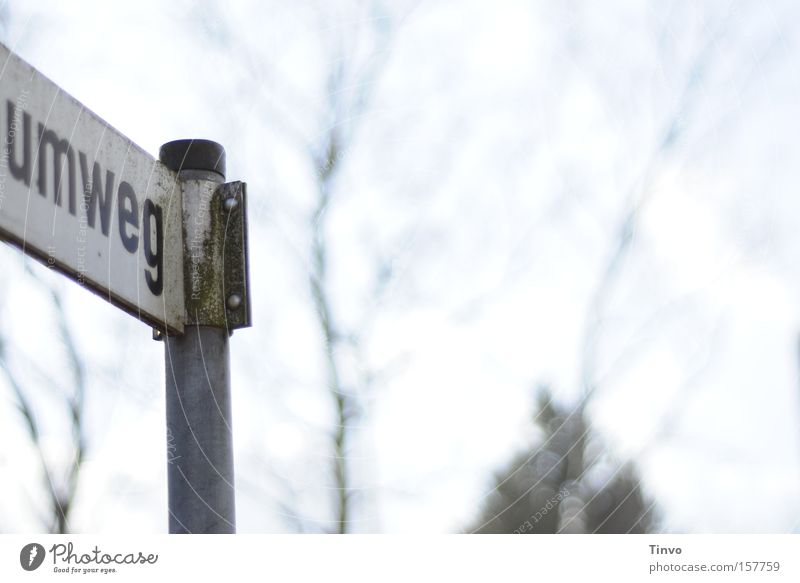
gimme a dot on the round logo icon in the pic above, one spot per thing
(31, 556)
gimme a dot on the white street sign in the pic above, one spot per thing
(82, 198)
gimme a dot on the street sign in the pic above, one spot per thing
(82, 198)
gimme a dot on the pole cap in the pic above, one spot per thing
(180, 155)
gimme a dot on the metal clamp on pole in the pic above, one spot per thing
(199, 436)
(232, 198)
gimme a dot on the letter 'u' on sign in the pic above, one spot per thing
(81, 197)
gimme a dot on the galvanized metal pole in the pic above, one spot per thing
(199, 436)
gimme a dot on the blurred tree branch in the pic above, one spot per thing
(338, 137)
(350, 82)
(61, 493)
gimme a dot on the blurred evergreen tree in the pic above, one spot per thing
(565, 484)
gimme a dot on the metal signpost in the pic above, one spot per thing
(164, 240)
